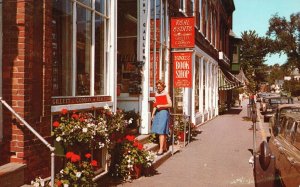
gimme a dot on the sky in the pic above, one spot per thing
(255, 15)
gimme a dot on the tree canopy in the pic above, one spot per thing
(253, 52)
(286, 37)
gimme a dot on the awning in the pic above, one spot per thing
(227, 80)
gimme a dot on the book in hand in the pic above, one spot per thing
(160, 100)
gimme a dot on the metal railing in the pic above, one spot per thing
(52, 149)
(186, 131)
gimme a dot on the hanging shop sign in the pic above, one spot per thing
(79, 100)
(182, 65)
(182, 32)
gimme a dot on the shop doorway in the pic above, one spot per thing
(128, 77)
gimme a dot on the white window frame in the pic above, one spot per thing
(182, 5)
(200, 17)
(106, 18)
(1, 34)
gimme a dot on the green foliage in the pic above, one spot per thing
(292, 86)
(128, 153)
(133, 118)
(253, 52)
(286, 37)
(79, 171)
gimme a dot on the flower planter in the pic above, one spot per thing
(180, 136)
(137, 171)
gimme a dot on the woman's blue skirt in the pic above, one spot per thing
(160, 124)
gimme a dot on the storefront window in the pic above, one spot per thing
(78, 52)
(158, 41)
(83, 50)
(129, 78)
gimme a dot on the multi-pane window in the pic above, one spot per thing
(158, 40)
(79, 40)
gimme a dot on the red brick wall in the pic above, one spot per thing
(26, 55)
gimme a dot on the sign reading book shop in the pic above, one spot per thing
(182, 32)
(182, 66)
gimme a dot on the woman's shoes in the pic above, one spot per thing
(159, 154)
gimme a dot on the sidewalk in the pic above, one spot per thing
(218, 157)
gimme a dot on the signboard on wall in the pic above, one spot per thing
(182, 66)
(182, 32)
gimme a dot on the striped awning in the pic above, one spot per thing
(227, 80)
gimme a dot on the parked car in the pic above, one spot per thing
(264, 100)
(279, 113)
(286, 149)
(272, 103)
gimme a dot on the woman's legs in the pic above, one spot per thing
(162, 143)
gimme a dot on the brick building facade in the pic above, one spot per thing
(51, 55)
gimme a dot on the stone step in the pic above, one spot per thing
(12, 175)
(143, 138)
(151, 147)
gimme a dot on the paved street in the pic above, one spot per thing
(218, 157)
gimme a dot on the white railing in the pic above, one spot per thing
(52, 149)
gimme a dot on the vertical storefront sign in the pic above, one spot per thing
(143, 36)
(156, 67)
(182, 66)
(182, 32)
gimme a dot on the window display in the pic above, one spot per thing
(78, 52)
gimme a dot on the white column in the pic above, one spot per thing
(112, 53)
(1, 115)
(143, 54)
(194, 64)
(201, 86)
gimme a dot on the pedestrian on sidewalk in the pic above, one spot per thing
(241, 95)
(161, 115)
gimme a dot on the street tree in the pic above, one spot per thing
(253, 52)
(286, 37)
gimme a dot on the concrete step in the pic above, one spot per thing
(151, 147)
(143, 138)
(12, 175)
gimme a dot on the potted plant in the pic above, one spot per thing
(181, 126)
(130, 158)
(79, 133)
(79, 171)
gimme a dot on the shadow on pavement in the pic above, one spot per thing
(234, 111)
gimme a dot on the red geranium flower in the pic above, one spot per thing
(55, 124)
(88, 155)
(119, 140)
(58, 183)
(64, 111)
(140, 146)
(75, 158)
(94, 163)
(75, 116)
(130, 138)
(69, 155)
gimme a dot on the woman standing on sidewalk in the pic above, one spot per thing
(161, 115)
